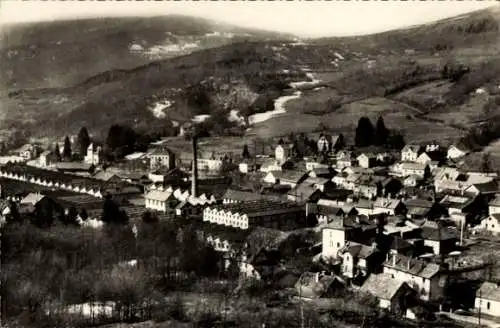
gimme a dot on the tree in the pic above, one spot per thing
(246, 152)
(13, 216)
(364, 132)
(121, 140)
(83, 141)
(381, 132)
(57, 152)
(67, 149)
(111, 212)
(148, 217)
(486, 163)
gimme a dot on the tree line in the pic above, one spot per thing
(380, 135)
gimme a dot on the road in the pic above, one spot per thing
(472, 319)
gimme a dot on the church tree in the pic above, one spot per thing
(67, 149)
(381, 132)
(364, 132)
(246, 152)
(57, 152)
(83, 141)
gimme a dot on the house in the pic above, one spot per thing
(159, 158)
(283, 152)
(488, 298)
(423, 209)
(430, 158)
(491, 223)
(427, 279)
(330, 143)
(312, 285)
(388, 206)
(32, 199)
(94, 155)
(327, 214)
(28, 151)
(307, 191)
(400, 245)
(367, 160)
(459, 207)
(321, 172)
(106, 176)
(251, 165)
(410, 153)
(162, 201)
(440, 240)
(358, 259)
(47, 158)
(484, 189)
(75, 167)
(494, 205)
(391, 294)
(269, 165)
(409, 168)
(455, 152)
(364, 207)
(265, 213)
(356, 228)
(412, 180)
(391, 186)
(345, 159)
(289, 177)
(368, 186)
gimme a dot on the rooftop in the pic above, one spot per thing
(382, 286)
(260, 208)
(490, 291)
(412, 266)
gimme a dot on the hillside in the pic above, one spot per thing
(62, 53)
(433, 81)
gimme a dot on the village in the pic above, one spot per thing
(407, 226)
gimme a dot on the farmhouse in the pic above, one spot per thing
(494, 205)
(358, 259)
(455, 152)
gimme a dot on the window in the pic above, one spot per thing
(338, 244)
(488, 305)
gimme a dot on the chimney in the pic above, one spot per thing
(408, 264)
(194, 177)
(316, 277)
(394, 260)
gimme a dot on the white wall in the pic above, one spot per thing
(333, 240)
(494, 307)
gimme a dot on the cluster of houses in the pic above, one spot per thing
(389, 223)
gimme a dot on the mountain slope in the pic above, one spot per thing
(63, 53)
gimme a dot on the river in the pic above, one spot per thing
(280, 102)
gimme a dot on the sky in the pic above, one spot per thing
(302, 18)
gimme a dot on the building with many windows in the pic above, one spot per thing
(266, 213)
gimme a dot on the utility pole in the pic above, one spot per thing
(480, 306)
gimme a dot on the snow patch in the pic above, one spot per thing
(339, 56)
(158, 108)
(234, 116)
(200, 118)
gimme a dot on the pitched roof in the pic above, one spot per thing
(382, 286)
(32, 198)
(422, 203)
(292, 176)
(158, 195)
(487, 187)
(399, 243)
(430, 233)
(413, 148)
(489, 291)
(389, 203)
(358, 250)
(495, 201)
(104, 175)
(244, 196)
(326, 210)
(260, 207)
(456, 201)
(412, 266)
(161, 152)
(413, 166)
(73, 166)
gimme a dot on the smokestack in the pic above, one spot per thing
(194, 177)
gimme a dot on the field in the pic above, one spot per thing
(344, 120)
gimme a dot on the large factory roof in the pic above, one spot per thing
(260, 208)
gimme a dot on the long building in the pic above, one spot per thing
(265, 213)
